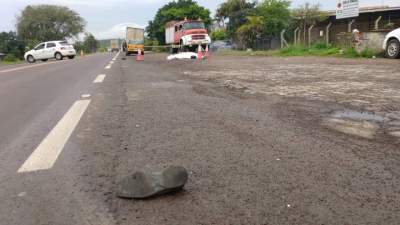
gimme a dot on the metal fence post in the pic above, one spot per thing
(328, 33)
(299, 36)
(283, 40)
(309, 35)
(295, 35)
(350, 25)
(377, 22)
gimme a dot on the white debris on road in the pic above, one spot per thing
(183, 55)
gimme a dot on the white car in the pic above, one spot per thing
(50, 50)
(391, 45)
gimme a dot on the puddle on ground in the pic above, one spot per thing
(361, 124)
(359, 116)
(362, 129)
(395, 134)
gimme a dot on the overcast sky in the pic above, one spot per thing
(108, 18)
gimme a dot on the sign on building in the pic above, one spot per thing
(347, 9)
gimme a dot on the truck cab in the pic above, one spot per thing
(187, 34)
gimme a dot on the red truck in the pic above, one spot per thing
(186, 35)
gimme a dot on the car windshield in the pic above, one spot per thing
(193, 25)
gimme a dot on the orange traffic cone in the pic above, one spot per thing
(139, 56)
(200, 53)
(207, 52)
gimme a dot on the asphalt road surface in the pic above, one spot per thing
(71, 129)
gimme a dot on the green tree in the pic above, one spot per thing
(218, 35)
(79, 47)
(10, 44)
(48, 22)
(175, 10)
(236, 12)
(307, 15)
(90, 44)
(275, 15)
(249, 32)
(268, 19)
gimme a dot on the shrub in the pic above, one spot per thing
(367, 53)
(321, 45)
(10, 58)
(350, 53)
(294, 50)
(103, 49)
(218, 35)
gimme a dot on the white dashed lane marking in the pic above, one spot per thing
(46, 154)
(99, 79)
(116, 56)
(85, 96)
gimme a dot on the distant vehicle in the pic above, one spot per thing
(221, 45)
(2, 56)
(50, 50)
(391, 45)
(134, 41)
(114, 45)
(186, 35)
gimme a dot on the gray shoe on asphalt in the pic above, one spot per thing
(142, 185)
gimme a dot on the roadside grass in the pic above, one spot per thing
(11, 63)
(317, 49)
(10, 59)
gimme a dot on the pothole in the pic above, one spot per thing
(360, 124)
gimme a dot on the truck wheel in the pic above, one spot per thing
(182, 48)
(174, 50)
(393, 49)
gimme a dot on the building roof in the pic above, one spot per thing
(372, 9)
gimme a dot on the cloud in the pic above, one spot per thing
(116, 31)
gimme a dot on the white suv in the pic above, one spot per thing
(391, 45)
(49, 50)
